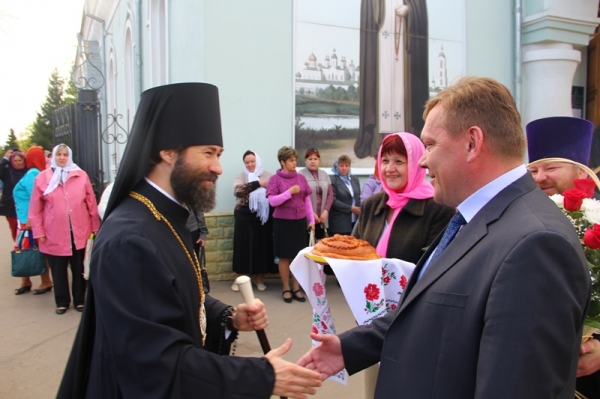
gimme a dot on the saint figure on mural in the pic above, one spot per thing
(394, 70)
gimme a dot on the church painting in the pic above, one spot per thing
(365, 68)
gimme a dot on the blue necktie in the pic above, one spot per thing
(453, 227)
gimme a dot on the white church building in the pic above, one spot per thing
(246, 48)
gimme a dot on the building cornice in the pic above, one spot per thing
(548, 26)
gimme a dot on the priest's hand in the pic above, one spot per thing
(291, 380)
(325, 358)
(589, 358)
(249, 317)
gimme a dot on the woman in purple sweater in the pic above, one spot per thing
(288, 192)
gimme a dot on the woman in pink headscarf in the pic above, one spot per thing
(403, 219)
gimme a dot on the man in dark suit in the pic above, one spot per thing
(497, 311)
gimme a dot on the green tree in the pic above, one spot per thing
(70, 92)
(11, 142)
(41, 131)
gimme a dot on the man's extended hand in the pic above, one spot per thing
(291, 380)
(325, 358)
(249, 317)
(589, 358)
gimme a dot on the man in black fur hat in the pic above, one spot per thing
(148, 330)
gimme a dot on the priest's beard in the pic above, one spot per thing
(188, 188)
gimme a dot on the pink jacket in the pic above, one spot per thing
(49, 215)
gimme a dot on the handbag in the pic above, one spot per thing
(27, 262)
(203, 272)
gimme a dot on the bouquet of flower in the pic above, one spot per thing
(584, 213)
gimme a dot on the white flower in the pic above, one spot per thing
(591, 210)
(559, 200)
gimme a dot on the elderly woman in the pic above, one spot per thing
(12, 169)
(289, 193)
(346, 205)
(404, 213)
(63, 213)
(36, 162)
(252, 236)
(321, 197)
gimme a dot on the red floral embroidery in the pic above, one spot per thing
(386, 280)
(393, 306)
(315, 330)
(371, 292)
(318, 289)
(403, 282)
(324, 326)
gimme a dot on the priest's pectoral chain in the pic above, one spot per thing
(193, 261)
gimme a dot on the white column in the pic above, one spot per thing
(548, 70)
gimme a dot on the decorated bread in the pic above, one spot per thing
(345, 247)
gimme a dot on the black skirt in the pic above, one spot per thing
(289, 237)
(252, 243)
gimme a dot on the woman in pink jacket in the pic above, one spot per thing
(63, 213)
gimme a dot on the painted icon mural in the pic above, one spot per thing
(365, 68)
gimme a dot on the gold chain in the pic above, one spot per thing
(194, 262)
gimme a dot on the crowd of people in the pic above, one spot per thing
(56, 204)
(494, 308)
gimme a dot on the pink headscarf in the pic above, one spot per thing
(416, 186)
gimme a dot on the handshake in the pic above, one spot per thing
(291, 380)
(301, 379)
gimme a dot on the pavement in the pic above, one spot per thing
(35, 342)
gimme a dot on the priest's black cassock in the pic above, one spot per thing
(140, 333)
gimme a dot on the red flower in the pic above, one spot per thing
(371, 292)
(586, 185)
(324, 326)
(403, 282)
(393, 307)
(573, 199)
(386, 280)
(315, 330)
(318, 289)
(591, 237)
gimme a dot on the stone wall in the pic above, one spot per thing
(219, 245)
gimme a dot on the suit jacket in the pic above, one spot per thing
(499, 314)
(340, 215)
(416, 226)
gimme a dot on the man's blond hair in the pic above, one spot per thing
(488, 104)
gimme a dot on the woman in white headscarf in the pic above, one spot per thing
(63, 213)
(252, 238)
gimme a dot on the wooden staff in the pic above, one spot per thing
(246, 290)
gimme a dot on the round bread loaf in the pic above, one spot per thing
(345, 247)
